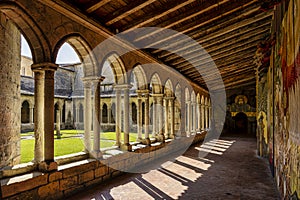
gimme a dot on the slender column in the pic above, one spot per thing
(97, 117)
(194, 117)
(49, 70)
(139, 118)
(172, 121)
(202, 117)
(206, 116)
(31, 115)
(188, 113)
(109, 115)
(166, 109)
(87, 114)
(147, 116)
(160, 118)
(210, 116)
(126, 145)
(118, 118)
(199, 116)
(77, 114)
(154, 121)
(58, 122)
(39, 77)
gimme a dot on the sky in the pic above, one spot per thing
(66, 54)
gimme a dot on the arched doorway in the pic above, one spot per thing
(241, 123)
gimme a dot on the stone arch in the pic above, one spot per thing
(168, 89)
(198, 98)
(140, 77)
(116, 64)
(25, 112)
(37, 42)
(156, 84)
(202, 100)
(193, 97)
(83, 51)
(187, 94)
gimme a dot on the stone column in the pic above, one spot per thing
(31, 110)
(118, 118)
(154, 121)
(39, 76)
(87, 114)
(188, 115)
(125, 88)
(199, 116)
(210, 116)
(77, 115)
(97, 117)
(194, 117)
(147, 119)
(58, 122)
(139, 118)
(202, 117)
(10, 118)
(49, 68)
(206, 116)
(172, 121)
(166, 113)
(161, 136)
(109, 114)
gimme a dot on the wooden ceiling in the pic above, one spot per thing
(229, 30)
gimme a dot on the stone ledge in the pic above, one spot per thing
(18, 170)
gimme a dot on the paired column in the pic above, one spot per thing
(199, 116)
(206, 116)
(154, 121)
(172, 117)
(143, 95)
(49, 70)
(194, 109)
(202, 117)
(58, 117)
(188, 120)
(159, 108)
(97, 117)
(125, 88)
(87, 113)
(166, 109)
(139, 118)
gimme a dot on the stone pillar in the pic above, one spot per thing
(154, 121)
(202, 117)
(109, 114)
(39, 76)
(58, 122)
(87, 113)
(49, 68)
(172, 117)
(125, 88)
(139, 118)
(97, 117)
(118, 118)
(147, 119)
(161, 136)
(166, 113)
(10, 118)
(199, 116)
(31, 110)
(77, 115)
(188, 115)
(206, 116)
(210, 117)
(194, 117)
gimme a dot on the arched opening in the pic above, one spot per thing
(177, 105)
(133, 113)
(241, 123)
(104, 113)
(80, 113)
(25, 112)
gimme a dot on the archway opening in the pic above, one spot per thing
(241, 123)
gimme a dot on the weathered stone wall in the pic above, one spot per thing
(73, 177)
(10, 92)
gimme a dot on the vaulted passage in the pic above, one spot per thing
(93, 90)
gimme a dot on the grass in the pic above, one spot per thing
(68, 144)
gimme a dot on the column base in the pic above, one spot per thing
(171, 136)
(160, 138)
(118, 144)
(96, 154)
(45, 166)
(139, 140)
(146, 141)
(126, 147)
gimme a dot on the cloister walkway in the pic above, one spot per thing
(230, 171)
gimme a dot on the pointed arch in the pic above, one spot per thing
(138, 75)
(168, 89)
(155, 84)
(187, 94)
(193, 97)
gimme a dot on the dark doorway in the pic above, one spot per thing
(241, 123)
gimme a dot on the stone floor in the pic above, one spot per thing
(231, 170)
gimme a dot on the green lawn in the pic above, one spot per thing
(69, 144)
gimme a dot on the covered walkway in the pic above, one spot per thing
(230, 171)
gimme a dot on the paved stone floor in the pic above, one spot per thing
(230, 171)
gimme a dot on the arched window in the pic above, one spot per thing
(104, 114)
(80, 113)
(133, 113)
(25, 112)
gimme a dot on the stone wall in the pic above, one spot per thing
(10, 108)
(76, 176)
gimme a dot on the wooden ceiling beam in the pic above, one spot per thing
(97, 6)
(161, 13)
(216, 44)
(234, 30)
(127, 10)
(207, 22)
